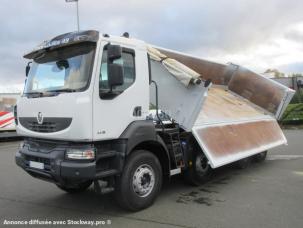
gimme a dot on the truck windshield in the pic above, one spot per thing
(66, 69)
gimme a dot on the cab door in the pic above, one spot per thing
(115, 108)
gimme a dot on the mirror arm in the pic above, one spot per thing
(27, 69)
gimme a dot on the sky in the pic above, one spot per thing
(256, 34)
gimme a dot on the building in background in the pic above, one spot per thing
(291, 82)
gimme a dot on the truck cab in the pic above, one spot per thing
(69, 88)
(83, 113)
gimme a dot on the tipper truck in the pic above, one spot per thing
(93, 106)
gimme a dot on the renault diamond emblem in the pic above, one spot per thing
(40, 118)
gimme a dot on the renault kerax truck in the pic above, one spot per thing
(93, 106)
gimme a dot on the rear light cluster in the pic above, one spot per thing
(15, 115)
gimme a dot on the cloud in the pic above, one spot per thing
(258, 34)
(283, 51)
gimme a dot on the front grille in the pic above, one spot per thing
(49, 124)
(46, 127)
(42, 146)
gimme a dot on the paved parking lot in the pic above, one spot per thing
(264, 195)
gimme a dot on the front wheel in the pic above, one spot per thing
(140, 182)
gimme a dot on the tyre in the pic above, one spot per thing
(140, 182)
(261, 156)
(199, 170)
(75, 189)
(243, 163)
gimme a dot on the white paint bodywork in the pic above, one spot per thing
(77, 106)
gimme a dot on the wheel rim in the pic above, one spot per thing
(202, 164)
(143, 180)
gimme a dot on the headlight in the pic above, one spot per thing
(80, 153)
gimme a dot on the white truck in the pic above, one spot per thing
(85, 116)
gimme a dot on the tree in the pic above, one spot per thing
(296, 75)
(276, 73)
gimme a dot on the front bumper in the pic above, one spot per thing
(56, 168)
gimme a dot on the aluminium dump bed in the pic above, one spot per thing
(233, 118)
(230, 128)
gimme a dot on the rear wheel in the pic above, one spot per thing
(243, 163)
(199, 170)
(261, 156)
(140, 182)
(75, 188)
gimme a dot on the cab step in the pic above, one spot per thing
(107, 154)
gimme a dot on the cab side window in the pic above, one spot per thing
(127, 60)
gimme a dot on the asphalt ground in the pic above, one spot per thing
(268, 194)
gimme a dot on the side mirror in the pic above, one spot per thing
(115, 75)
(114, 52)
(27, 68)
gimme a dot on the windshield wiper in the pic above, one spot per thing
(39, 94)
(63, 90)
(50, 92)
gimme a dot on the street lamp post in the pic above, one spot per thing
(77, 8)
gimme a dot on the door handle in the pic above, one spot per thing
(137, 111)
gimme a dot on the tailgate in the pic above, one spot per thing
(230, 128)
(226, 143)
